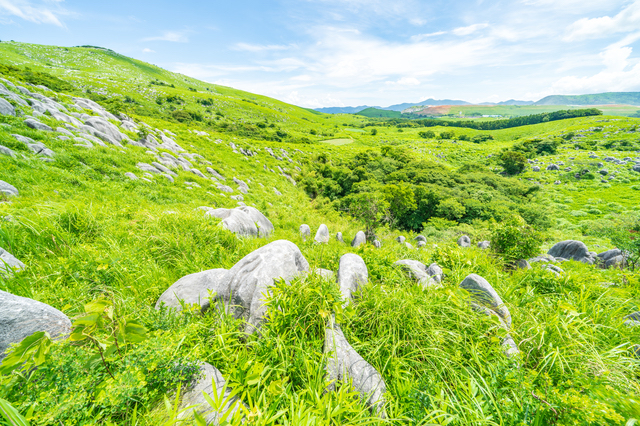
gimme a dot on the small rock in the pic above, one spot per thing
(322, 236)
(464, 241)
(359, 239)
(484, 245)
(8, 189)
(352, 273)
(339, 237)
(305, 231)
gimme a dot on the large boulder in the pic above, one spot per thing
(248, 281)
(322, 235)
(435, 272)
(486, 296)
(6, 108)
(9, 264)
(573, 250)
(305, 231)
(464, 241)
(416, 270)
(346, 364)
(359, 239)
(193, 289)
(35, 124)
(193, 400)
(612, 258)
(7, 189)
(264, 225)
(104, 126)
(236, 221)
(352, 274)
(21, 317)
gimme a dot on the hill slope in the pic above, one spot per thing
(619, 98)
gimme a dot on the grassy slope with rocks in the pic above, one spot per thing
(86, 231)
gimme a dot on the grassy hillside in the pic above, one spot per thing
(619, 98)
(87, 232)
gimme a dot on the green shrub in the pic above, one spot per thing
(513, 162)
(515, 240)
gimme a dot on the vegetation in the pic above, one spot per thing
(102, 248)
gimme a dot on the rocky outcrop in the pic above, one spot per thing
(464, 241)
(193, 289)
(264, 225)
(573, 250)
(612, 258)
(359, 239)
(236, 221)
(417, 271)
(352, 274)
(9, 264)
(21, 317)
(8, 189)
(322, 235)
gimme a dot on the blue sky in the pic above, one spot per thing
(318, 53)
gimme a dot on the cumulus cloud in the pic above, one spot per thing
(147, 50)
(173, 36)
(48, 12)
(404, 81)
(463, 31)
(628, 19)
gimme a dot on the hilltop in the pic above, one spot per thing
(173, 236)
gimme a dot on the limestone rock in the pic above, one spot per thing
(21, 317)
(359, 239)
(192, 289)
(35, 124)
(131, 176)
(416, 270)
(484, 245)
(207, 377)
(485, 295)
(346, 364)
(249, 280)
(352, 274)
(572, 249)
(523, 264)
(6, 151)
(612, 258)
(6, 108)
(8, 189)
(305, 231)
(326, 274)
(339, 237)
(9, 264)
(464, 241)
(401, 239)
(435, 272)
(322, 235)
(377, 244)
(264, 225)
(236, 221)
(148, 168)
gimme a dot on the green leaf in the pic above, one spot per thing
(32, 351)
(12, 415)
(97, 306)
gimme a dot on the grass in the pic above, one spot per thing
(85, 231)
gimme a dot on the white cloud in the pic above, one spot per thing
(404, 81)
(628, 19)
(420, 37)
(39, 14)
(174, 36)
(260, 47)
(147, 50)
(463, 31)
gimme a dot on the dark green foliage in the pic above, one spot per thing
(481, 138)
(378, 113)
(513, 162)
(537, 146)
(515, 240)
(427, 134)
(37, 77)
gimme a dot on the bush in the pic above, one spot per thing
(427, 134)
(513, 162)
(481, 138)
(515, 240)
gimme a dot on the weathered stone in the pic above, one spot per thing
(574, 250)
(401, 239)
(535, 169)
(6, 151)
(553, 268)
(486, 296)
(542, 258)
(435, 272)
(352, 274)
(420, 238)
(416, 270)
(6, 108)
(21, 317)
(193, 289)
(339, 237)
(464, 241)
(322, 235)
(612, 258)
(163, 168)
(264, 225)
(148, 168)
(35, 124)
(523, 264)
(225, 188)
(236, 221)
(377, 243)
(305, 231)
(359, 239)
(7, 189)
(484, 245)
(9, 264)
(131, 176)
(553, 167)
(248, 281)
(346, 364)
(207, 377)
(216, 174)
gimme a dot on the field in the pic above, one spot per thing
(87, 233)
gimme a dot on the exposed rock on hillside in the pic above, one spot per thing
(574, 250)
(193, 289)
(352, 274)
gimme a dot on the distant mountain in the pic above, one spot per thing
(432, 102)
(514, 102)
(626, 98)
(344, 110)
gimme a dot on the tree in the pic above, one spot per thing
(513, 162)
(374, 131)
(369, 207)
(427, 134)
(515, 240)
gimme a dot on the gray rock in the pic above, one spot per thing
(484, 245)
(464, 241)
(322, 235)
(236, 221)
(131, 176)
(305, 231)
(248, 282)
(486, 296)
(35, 124)
(632, 320)
(193, 289)
(552, 167)
(9, 264)
(359, 239)
(277, 192)
(435, 272)
(148, 168)
(535, 169)
(553, 268)
(542, 258)
(216, 174)
(636, 168)
(339, 237)
(169, 177)
(603, 172)
(401, 239)
(8, 189)
(420, 238)
(377, 244)
(6, 151)
(241, 184)
(572, 249)
(225, 188)
(523, 264)
(345, 364)
(163, 168)
(326, 274)
(264, 225)
(102, 125)
(6, 108)
(199, 173)
(207, 377)
(408, 246)
(421, 244)
(237, 197)
(21, 317)
(352, 274)
(417, 271)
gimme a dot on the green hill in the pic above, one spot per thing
(619, 98)
(379, 113)
(123, 185)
